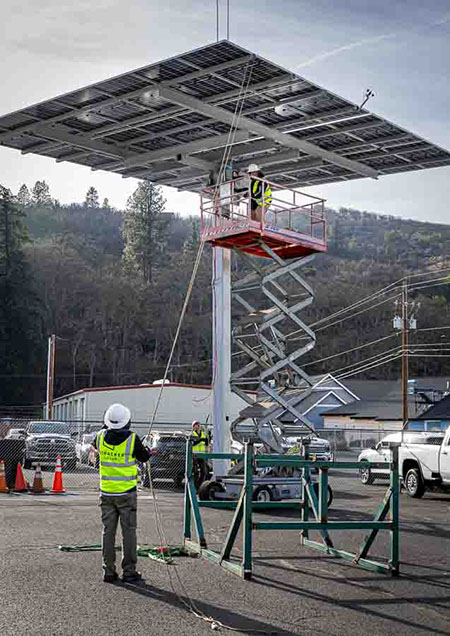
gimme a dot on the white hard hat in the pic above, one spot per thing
(253, 167)
(117, 416)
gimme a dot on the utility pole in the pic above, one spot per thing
(405, 352)
(50, 376)
(405, 322)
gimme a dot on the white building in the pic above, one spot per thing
(180, 404)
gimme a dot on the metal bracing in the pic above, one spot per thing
(273, 297)
(312, 509)
(244, 123)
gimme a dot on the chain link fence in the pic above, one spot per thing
(30, 442)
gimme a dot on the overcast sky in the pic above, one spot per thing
(398, 48)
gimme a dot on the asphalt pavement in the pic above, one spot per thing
(294, 591)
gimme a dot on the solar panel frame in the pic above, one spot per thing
(117, 124)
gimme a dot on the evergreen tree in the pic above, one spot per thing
(23, 196)
(40, 195)
(19, 320)
(92, 199)
(145, 229)
(106, 204)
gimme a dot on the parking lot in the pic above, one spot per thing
(295, 590)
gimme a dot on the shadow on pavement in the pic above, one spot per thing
(238, 622)
(364, 605)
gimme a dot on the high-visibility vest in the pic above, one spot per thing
(118, 467)
(257, 188)
(200, 440)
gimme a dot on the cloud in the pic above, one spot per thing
(445, 18)
(345, 48)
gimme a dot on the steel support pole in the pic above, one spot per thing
(50, 377)
(221, 356)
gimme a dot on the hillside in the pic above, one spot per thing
(115, 319)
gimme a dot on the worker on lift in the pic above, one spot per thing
(260, 192)
(199, 444)
(119, 450)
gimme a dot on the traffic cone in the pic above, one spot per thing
(38, 485)
(21, 484)
(57, 478)
(3, 485)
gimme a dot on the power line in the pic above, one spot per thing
(367, 360)
(373, 365)
(383, 302)
(335, 355)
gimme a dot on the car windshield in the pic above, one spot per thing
(58, 428)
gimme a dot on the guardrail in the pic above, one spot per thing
(309, 501)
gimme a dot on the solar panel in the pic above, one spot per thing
(171, 122)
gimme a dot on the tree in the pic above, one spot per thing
(20, 334)
(145, 229)
(105, 203)
(92, 200)
(23, 196)
(40, 194)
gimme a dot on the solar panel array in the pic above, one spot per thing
(170, 123)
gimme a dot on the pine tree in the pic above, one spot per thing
(106, 204)
(92, 199)
(23, 196)
(19, 320)
(40, 195)
(145, 229)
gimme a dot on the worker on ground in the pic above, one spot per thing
(199, 444)
(119, 451)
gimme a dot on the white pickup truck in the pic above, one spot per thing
(424, 461)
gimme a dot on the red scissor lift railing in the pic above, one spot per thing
(293, 224)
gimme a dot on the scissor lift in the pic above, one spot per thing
(269, 334)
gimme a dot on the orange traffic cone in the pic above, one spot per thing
(21, 483)
(3, 485)
(38, 485)
(57, 478)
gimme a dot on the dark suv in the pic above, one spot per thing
(168, 459)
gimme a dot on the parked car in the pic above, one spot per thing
(84, 446)
(46, 440)
(168, 458)
(16, 433)
(424, 461)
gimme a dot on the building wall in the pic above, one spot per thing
(428, 425)
(179, 404)
(345, 421)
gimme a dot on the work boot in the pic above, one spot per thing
(133, 578)
(110, 578)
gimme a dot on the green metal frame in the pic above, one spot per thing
(244, 507)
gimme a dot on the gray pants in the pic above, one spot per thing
(115, 507)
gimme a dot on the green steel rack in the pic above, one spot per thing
(386, 517)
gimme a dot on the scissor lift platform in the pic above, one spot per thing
(293, 225)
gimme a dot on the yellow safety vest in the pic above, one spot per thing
(257, 192)
(199, 445)
(118, 467)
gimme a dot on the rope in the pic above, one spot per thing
(189, 604)
(230, 141)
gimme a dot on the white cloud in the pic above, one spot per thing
(343, 49)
